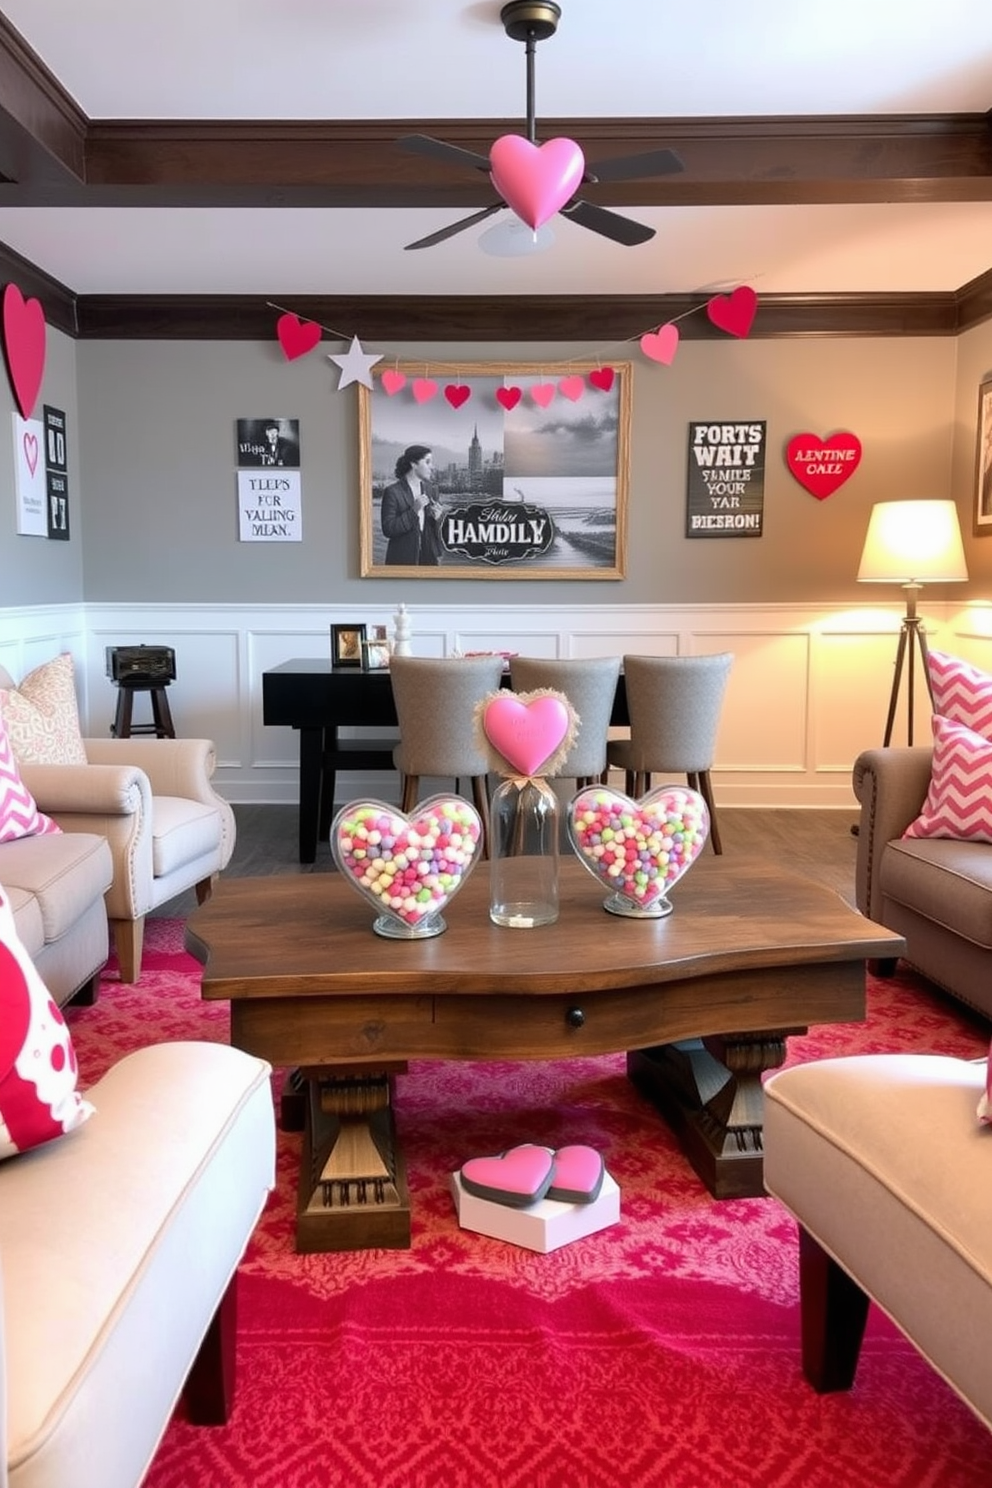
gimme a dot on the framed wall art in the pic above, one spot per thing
(982, 515)
(494, 471)
(346, 645)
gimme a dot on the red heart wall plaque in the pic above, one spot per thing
(24, 346)
(820, 465)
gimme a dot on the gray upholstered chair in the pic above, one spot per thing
(590, 684)
(435, 701)
(674, 703)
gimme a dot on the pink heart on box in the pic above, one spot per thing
(24, 346)
(393, 381)
(457, 393)
(543, 393)
(602, 378)
(517, 1177)
(578, 1175)
(572, 388)
(525, 733)
(639, 849)
(296, 337)
(407, 866)
(821, 465)
(31, 452)
(509, 397)
(423, 389)
(536, 180)
(734, 313)
(662, 344)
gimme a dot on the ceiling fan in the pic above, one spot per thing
(531, 21)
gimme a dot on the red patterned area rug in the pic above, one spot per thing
(662, 1352)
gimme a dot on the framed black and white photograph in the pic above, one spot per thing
(503, 471)
(346, 645)
(268, 443)
(375, 655)
(982, 522)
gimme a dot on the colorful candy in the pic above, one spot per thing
(408, 867)
(639, 849)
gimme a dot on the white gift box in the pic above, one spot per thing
(543, 1226)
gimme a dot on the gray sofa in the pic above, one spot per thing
(56, 885)
(936, 892)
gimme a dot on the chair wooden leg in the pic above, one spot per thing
(209, 1389)
(706, 791)
(834, 1312)
(205, 888)
(129, 938)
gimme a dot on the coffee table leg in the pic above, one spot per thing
(709, 1091)
(353, 1192)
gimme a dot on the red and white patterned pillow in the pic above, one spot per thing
(38, 1072)
(961, 692)
(41, 715)
(19, 814)
(959, 800)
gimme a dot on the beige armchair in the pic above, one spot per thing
(168, 829)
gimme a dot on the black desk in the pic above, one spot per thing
(317, 698)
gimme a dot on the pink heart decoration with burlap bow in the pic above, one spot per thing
(24, 346)
(639, 849)
(515, 1178)
(536, 180)
(662, 344)
(296, 337)
(407, 866)
(734, 313)
(393, 381)
(821, 465)
(525, 733)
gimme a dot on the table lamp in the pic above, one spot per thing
(912, 543)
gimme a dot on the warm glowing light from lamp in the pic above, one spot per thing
(913, 542)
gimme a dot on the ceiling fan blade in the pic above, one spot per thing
(634, 167)
(435, 149)
(608, 224)
(455, 227)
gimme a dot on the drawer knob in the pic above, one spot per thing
(575, 1017)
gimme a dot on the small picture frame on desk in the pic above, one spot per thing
(347, 645)
(375, 655)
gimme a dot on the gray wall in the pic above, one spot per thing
(32, 569)
(157, 470)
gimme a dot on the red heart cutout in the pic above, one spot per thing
(578, 1175)
(602, 378)
(457, 393)
(821, 465)
(734, 313)
(297, 337)
(424, 389)
(393, 381)
(518, 1177)
(24, 346)
(508, 396)
(661, 345)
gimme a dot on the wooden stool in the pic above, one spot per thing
(162, 727)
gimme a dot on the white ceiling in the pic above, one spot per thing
(367, 59)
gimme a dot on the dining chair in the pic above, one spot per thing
(436, 698)
(590, 684)
(674, 703)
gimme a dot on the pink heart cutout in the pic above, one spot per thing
(543, 393)
(509, 397)
(423, 389)
(296, 337)
(393, 381)
(457, 393)
(525, 733)
(602, 378)
(31, 452)
(572, 388)
(517, 1177)
(662, 344)
(24, 346)
(409, 867)
(821, 465)
(734, 313)
(639, 849)
(536, 180)
(578, 1175)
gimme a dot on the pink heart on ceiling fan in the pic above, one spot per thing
(296, 337)
(24, 346)
(536, 180)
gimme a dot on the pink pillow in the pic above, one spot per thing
(19, 814)
(959, 801)
(961, 692)
(38, 1096)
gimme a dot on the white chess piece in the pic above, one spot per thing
(402, 632)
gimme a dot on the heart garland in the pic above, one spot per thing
(822, 465)
(297, 337)
(24, 347)
(639, 849)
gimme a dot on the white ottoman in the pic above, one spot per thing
(882, 1161)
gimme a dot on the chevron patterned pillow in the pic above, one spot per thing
(961, 692)
(19, 814)
(959, 801)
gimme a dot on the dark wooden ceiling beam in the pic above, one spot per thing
(42, 131)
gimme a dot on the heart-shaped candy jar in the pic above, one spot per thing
(407, 867)
(638, 849)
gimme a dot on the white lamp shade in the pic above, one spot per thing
(913, 542)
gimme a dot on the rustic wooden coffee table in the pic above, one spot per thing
(702, 1002)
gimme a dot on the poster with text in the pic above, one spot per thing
(725, 483)
(56, 474)
(29, 477)
(269, 506)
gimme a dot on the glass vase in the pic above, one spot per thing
(523, 854)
